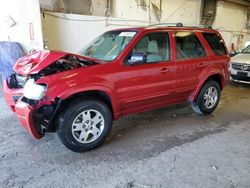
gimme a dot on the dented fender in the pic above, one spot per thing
(67, 86)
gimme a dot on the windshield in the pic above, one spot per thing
(246, 50)
(109, 45)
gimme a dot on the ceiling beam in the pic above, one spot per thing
(240, 2)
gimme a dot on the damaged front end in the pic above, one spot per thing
(27, 97)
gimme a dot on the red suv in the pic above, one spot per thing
(121, 72)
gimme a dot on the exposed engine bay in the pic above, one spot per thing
(68, 62)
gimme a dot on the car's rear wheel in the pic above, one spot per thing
(208, 98)
(85, 125)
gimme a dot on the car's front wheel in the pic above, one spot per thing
(208, 98)
(85, 125)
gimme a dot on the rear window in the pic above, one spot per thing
(216, 43)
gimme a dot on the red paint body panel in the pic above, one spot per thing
(39, 61)
(131, 89)
(24, 115)
(9, 94)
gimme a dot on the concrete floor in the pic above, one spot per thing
(170, 147)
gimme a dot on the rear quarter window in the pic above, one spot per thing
(216, 43)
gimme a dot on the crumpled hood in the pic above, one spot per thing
(33, 63)
(241, 58)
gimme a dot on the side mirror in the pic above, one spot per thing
(234, 53)
(138, 58)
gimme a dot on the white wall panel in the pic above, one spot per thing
(69, 32)
(231, 21)
(24, 13)
(70, 35)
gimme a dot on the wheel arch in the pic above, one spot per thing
(92, 94)
(218, 77)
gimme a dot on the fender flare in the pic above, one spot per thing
(202, 81)
(111, 94)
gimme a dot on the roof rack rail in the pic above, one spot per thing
(179, 24)
(208, 27)
(201, 26)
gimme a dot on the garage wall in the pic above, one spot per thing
(93, 7)
(70, 32)
(60, 29)
(231, 21)
(184, 11)
(27, 30)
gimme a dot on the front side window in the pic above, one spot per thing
(216, 43)
(155, 46)
(188, 46)
(109, 45)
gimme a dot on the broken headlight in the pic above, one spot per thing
(34, 91)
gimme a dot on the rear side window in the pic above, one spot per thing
(216, 43)
(188, 46)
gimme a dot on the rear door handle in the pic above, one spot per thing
(201, 64)
(164, 70)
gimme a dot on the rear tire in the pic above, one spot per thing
(85, 125)
(208, 98)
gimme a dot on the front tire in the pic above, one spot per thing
(208, 98)
(85, 125)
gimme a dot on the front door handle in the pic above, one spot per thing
(164, 70)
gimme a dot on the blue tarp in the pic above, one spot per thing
(10, 52)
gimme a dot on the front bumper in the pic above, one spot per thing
(11, 95)
(240, 75)
(24, 114)
(23, 110)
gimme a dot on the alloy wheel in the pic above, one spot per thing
(88, 126)
(210, 97)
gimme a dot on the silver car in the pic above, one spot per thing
(240, 65)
